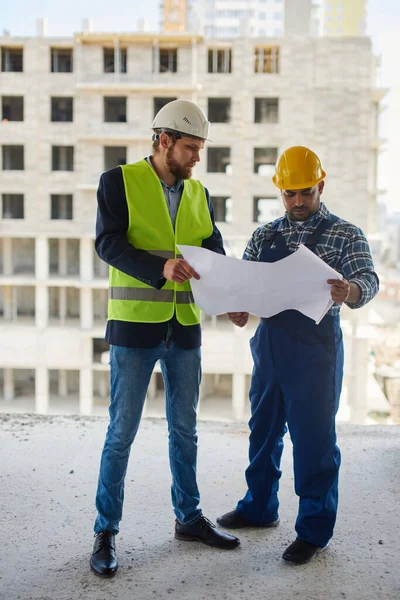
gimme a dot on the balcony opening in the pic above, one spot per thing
(213, 387)
(100, 350)
(266, 210)
(63, 391)
(61, 60)
(12, 206)
(266, 59)
(114, 156)
(12, 59)
(23, 256)
(13, 158)
(158, 104)
(17, 303)
(64, 257)
(266, 110)
(100, 305)
(20, 397)
(64, 306)
(219, 160)
(22, 303)
(110, 60)
(220, 60)
(264, 161)
(100, 268)
(62, 158)
(101, 392)
(12, 108)
(168, 60)
(222, 209)
(61, 206)
(219, 110)
(62, 109)
(114, 109)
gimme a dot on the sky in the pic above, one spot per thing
(383, 27)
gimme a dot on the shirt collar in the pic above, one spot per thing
(173, 188)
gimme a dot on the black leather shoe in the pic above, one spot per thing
(235, 520)
(204, 531)
(300, 552)
(104, 559)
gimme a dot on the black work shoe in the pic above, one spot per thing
(104, 559)
(204, 531)
(235, 520)
(300, 552)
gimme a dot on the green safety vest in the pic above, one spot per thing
(150, 228)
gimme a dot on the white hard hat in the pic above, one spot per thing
(183, 116)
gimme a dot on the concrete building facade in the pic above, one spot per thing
(74, 107)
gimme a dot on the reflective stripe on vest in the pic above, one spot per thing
(150, 228)
(150, 295)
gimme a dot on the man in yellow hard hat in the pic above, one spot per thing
(298, 365)
(144, 210)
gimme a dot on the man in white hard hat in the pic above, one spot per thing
(144, 210)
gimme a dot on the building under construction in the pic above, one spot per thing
(74, 107)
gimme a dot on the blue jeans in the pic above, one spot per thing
(130, 370)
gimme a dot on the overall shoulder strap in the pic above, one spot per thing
(314, 237)
(270, 236)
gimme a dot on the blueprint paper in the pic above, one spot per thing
(263, 289)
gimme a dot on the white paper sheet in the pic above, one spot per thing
(263, 289)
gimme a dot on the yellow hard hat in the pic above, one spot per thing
(298, 168)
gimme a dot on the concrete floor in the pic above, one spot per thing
(47, 485)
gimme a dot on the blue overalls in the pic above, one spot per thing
(297, 379)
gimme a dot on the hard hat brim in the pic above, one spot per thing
(303, 186)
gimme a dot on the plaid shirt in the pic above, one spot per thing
(342, 246)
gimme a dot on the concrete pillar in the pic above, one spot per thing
(156, 59)
(14, 303)
(62, 257)
(238, 395)
(86, 308)
(42, 258)
(41, 390)
(8, 303)
(8, 375)
(117, 59)
(41, 306)
(86, 391)
(7, 256)
(86, 259)
(62, 383)
(63, 305)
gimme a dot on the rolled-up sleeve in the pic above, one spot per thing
(357, 267)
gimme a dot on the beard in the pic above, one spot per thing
(299, 215)
(302, 213)
(179, 171)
